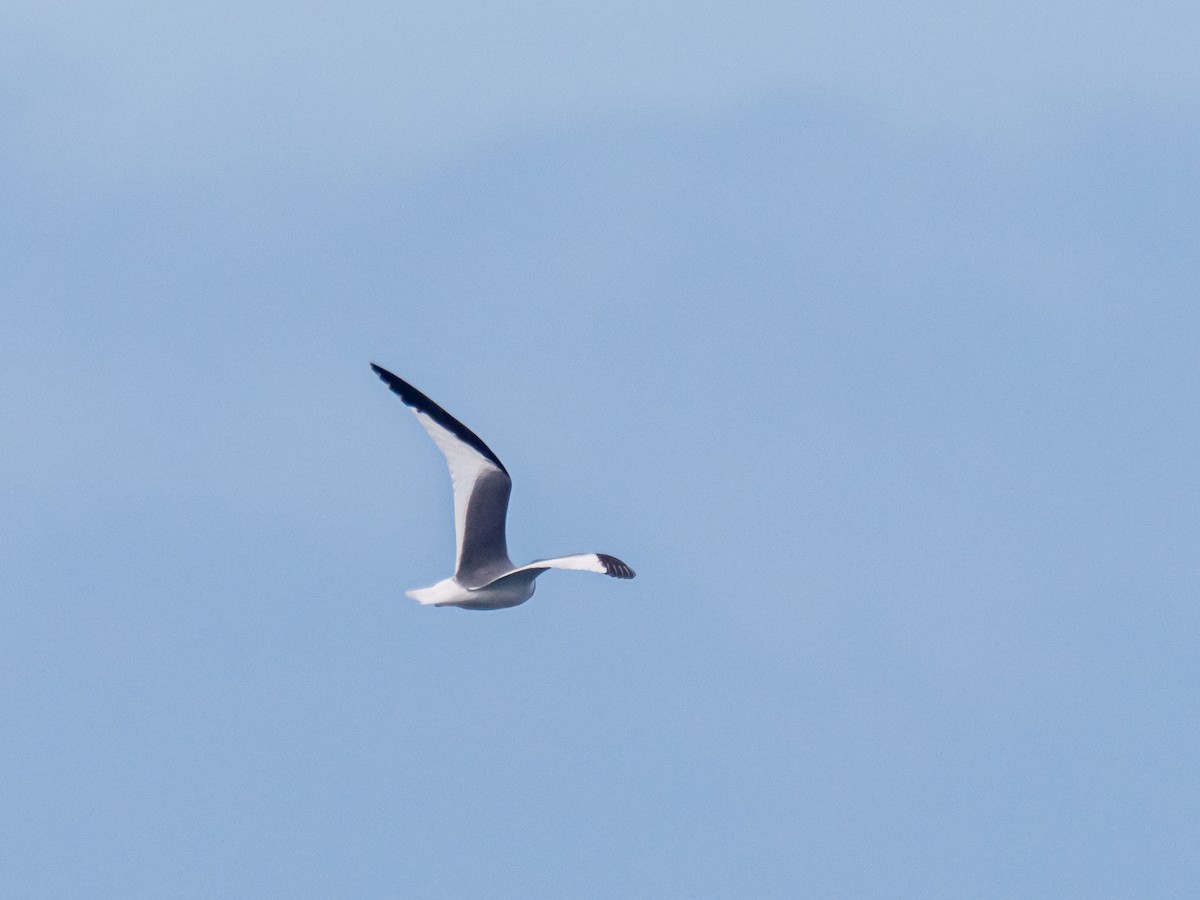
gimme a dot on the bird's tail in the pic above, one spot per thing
(445, 591)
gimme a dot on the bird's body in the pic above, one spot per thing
(506, 591)
(484, 577)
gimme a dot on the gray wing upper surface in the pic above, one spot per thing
(481, 487)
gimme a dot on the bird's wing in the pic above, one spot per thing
(600, 563)
(481, 487)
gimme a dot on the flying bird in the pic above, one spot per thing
(484, 577)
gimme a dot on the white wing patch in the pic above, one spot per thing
(600, 563)
(580, 562)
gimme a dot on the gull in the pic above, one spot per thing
(484, 577)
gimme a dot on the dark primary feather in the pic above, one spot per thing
(614, 566)
(418, 401)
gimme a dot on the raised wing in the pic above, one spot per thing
(481, 487)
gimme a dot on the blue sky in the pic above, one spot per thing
(868, 339)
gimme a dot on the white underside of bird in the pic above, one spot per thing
(484, 577)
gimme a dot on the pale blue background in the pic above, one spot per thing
(868, 334)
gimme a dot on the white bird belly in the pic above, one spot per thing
(511, 590)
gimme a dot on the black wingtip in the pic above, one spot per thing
(614, 566)
(418, 401)
(386, 376)
(401, 388)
